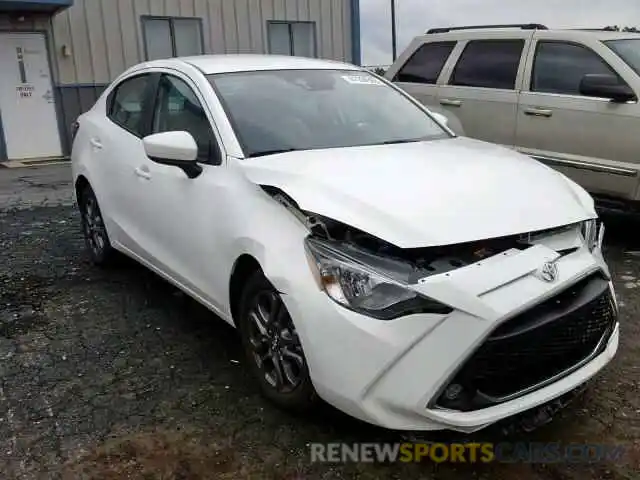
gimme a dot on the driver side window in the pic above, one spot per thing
(178, 109)
(560, 66)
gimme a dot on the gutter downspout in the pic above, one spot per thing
(356, 55)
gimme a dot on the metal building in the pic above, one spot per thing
(57, 56)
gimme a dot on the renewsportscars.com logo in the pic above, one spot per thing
(506, 452)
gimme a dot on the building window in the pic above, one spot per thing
(166, 37)
(292, 38)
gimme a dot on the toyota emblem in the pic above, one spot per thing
(549, 272)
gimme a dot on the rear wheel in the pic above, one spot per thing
(95, 232)
(273, 348)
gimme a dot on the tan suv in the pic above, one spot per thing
(566, 97)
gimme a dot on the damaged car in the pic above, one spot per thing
(368, 256)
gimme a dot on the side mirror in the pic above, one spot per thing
(606, 86)
(177, 149)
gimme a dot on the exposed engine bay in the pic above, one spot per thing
(429, 260)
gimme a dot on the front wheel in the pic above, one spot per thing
(273, 348)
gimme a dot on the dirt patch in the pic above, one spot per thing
(158, 455)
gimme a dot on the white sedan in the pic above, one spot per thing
(366, 254)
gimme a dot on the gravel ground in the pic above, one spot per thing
(115, 374)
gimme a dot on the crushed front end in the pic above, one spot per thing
(457, 336)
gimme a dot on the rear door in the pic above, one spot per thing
(117, 149)
(482, 87)
(592, 140)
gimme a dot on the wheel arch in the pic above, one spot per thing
(244, 266)
(80, 184)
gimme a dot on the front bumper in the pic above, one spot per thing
(390, 373)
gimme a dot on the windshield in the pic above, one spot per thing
(286, 110)
(627, 49)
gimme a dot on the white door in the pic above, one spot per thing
(178, 238)
(29, 121)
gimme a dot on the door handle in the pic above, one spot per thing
(538, 112)
(450, 103)
(95, 143)
(143, 172)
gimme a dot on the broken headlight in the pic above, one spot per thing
(590, 230)
(367, 283)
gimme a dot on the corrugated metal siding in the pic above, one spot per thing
(105, 36)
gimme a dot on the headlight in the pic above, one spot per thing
(369, 284)
(590, 230)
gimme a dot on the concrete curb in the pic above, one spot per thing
(37, 162)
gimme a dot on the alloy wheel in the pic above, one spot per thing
(274, 343)
(94, 229)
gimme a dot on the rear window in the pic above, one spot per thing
(425, 65)
(488, 64)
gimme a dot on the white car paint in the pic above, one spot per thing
(173, 145)
(423, 208)
(193, 231)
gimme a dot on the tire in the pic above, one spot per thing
(271, 339)
(95, 233)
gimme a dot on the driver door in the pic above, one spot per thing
(185, 216)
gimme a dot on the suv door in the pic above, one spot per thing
(594, 141)
(482, 87)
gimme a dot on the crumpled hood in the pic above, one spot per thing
(429, 193)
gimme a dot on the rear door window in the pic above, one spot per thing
(425, 65)
(489, 64)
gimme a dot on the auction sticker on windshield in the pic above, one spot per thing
(362, 79)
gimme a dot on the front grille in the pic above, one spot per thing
(546, 341)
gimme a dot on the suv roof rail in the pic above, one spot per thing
(523, 26)
(605, 29)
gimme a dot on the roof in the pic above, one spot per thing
(211, 64)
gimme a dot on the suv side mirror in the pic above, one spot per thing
(177, 149)
(606, 86)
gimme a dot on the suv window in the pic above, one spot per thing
(558, 67)
(628, 49)
(425, 65)
(488, 64)
(178, 108)
(126, 104)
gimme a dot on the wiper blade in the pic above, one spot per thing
(275, 151)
